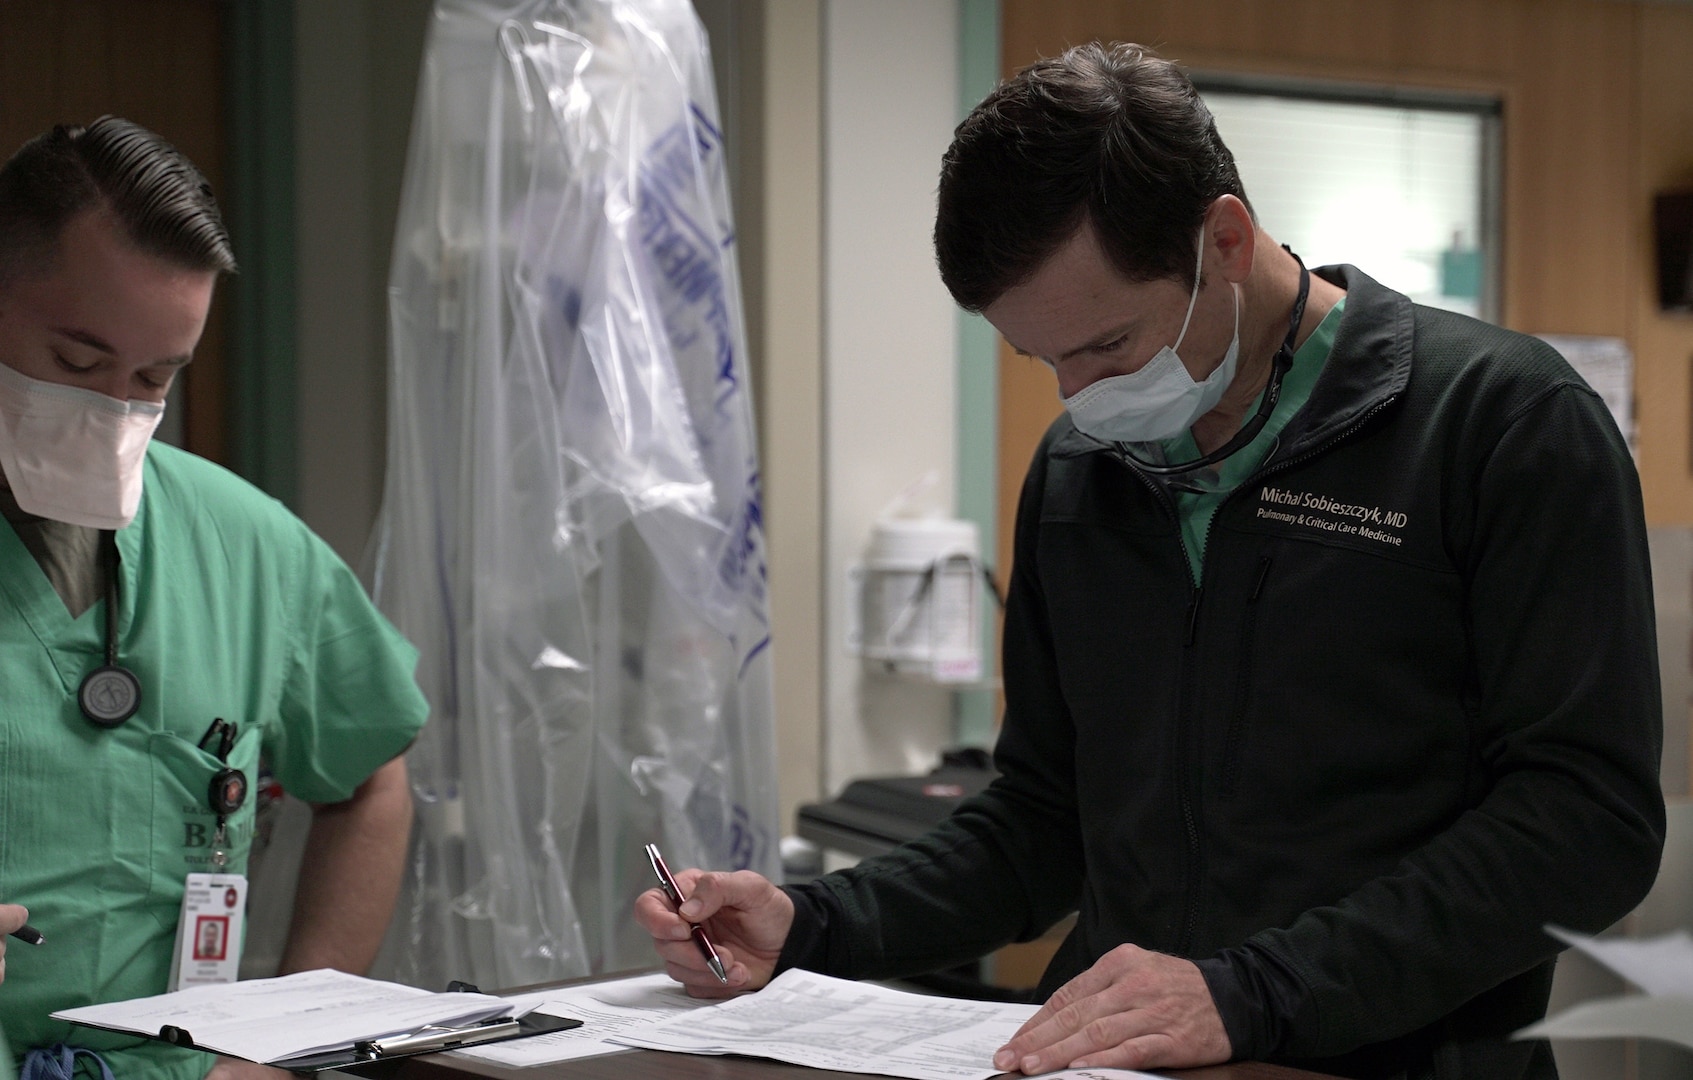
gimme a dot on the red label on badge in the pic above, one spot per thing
(230, 897)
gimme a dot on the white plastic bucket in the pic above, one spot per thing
(918, 596)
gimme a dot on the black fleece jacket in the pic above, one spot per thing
(1409, 716)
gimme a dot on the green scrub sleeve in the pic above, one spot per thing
(349, 702)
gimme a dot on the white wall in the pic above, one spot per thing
(356, 70)
(341, 407)
(890, 78)
(787, 350)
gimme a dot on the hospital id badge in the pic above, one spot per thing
(208, 936)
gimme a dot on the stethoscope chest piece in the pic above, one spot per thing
(109, 695)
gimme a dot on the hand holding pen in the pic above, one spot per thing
(749, 920)
(674, 893)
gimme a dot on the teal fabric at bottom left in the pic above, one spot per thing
(62, 1063)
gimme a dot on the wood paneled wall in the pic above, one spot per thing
(1598, 115)
(156, 62)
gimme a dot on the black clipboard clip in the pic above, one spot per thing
(176, 1036)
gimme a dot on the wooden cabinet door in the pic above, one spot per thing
(158, 63)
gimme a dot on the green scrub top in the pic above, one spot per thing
(1196, 509)
(230, 608)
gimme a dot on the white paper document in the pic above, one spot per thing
(605, 1009)
(1637, 1016)
(294, 1016)
(807, 1019)
(1658, 965)
(1661, 966)
(1606, 365)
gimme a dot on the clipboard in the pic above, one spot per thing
(378, 1057)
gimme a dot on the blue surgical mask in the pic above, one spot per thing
(1160, 399)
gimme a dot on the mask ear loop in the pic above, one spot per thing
(1266, 405)
(1193, 297)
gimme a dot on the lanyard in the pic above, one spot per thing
(228, 789)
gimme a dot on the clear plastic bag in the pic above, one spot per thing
(571, 531)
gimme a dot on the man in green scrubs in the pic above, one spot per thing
(195, 597)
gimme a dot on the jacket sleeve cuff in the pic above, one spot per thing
(807, 946)
(1261, 1001)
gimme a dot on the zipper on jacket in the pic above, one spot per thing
(1185, 769)
(1274, 467)
(1243, 685)
(1190, 825)
(1258, 586)
(1190, 921)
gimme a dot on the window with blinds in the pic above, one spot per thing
(1405, 186)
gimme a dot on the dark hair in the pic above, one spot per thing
(162, 202)
(1116, 136)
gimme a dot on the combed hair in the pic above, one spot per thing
(1115, 136)
(164, 205)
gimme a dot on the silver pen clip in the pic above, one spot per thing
(429, 1039)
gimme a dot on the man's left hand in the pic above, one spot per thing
(1132, 1010)
(237, 1069)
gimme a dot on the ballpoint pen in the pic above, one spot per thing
(28, 933)
(668, 884)
(438, 1037)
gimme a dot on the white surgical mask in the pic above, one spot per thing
(73, 455)
(1160, 399)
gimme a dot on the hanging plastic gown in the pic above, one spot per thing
(571, 531)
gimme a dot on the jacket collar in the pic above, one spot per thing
(1368, 367)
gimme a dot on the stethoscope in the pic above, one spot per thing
(111, 694)
(1267, 401)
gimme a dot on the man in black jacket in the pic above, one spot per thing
(1329, 656)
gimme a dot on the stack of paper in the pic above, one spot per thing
(605, 1008)
(282, 1020)
(1661, 966)
(807, 1019)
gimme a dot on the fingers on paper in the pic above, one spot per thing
(701, 983)
(1133, 1009)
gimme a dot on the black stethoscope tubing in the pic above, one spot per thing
(111, 693)
(1280, 366)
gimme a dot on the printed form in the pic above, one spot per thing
(807, 1019)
